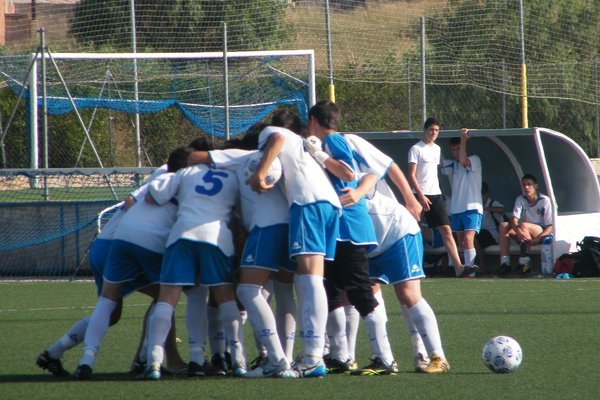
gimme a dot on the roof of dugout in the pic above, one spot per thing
(563, 170)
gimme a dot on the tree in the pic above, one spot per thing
(179, 25)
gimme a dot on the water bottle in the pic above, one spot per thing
(546, 256)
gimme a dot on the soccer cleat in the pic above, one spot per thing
(421, 362)
(259, 361)
(377, 368)
(52, 365)
(83, 372)
(524, 269)
(269, 370)
(504, 269)
(195, 370)
(153, 373)
(219, 366)
(437, 365)
(138, 366)
(302, 369)
(239, 370)
(335, 366)
(468, 270)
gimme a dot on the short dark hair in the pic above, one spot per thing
(431, 121)
(484, 188)
(454, 141)
(178, 159)
(201, 143)
(327, 114)
(531, 177)
(286, 118)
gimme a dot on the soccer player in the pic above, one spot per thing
(265, 254)
(399, 257)
(466, 206)
(530, 224)
(423, 161)
(313, 230)
(349, 271)
(134, 262)
(199, 250)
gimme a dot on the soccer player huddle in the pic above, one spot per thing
(321, 240)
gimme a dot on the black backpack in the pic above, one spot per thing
(588, 258)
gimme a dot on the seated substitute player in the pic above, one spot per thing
(313, 229)
(399, 257)
(493, 215)
(530, 224)
(199, 250)
(265, 254)
(466, 208)
(133, 262)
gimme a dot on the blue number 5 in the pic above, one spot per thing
(214, 183)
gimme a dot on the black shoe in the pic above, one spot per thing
(259, 361)
(504, 269)
(335, 366)
(138, 366)
(468, 270)
(219, 365)
(196, 370)
(83, 372)
(52, 365)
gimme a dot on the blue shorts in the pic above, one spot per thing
(401, 262)
(267, 248)
(469, 220)
(314, 229)
(131, 265)
(437, 240)
(97, 255)
(187, 263)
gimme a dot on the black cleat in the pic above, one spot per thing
(504, 269)
(83, 372)
(468, 270)
(52, 365)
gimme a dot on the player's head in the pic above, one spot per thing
(250, 139)
(201, 143)
(529, 184)
(286, 118)
(178, 159)
(455, 146)
(431, 129)
(325, 113)
(485, 190)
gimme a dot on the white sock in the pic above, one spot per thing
(375, 323)
(143, 354)
(196, 322)
(415, 337)
(313, 310)
(505, 260)
(232, 325)
(285, 316)
(379, 297)
(159, 325)
(469, 255)
(216, 335)
(267, 290)
(352, 322)
(336, 332)
(261, 319)
(97, 329)
(70, 339)
(424, 319)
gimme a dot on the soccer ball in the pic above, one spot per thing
(274, 172)
(502, 354)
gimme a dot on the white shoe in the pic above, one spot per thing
(421, 362)
(269, 370)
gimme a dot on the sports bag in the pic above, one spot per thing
(588, 260)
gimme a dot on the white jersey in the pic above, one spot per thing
(466, 185)
(487, 221)
(391, 221)
(427, 158)
(206, 198)
(305, 181)
(148, 225)
(265, 209)
(540, 213)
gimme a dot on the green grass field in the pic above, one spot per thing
(556, 322)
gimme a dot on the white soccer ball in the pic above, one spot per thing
(502, 354)
(274, 172)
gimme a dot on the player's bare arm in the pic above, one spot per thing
(271, 151)
(414, 183)
(463, 158)
(353, 196)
